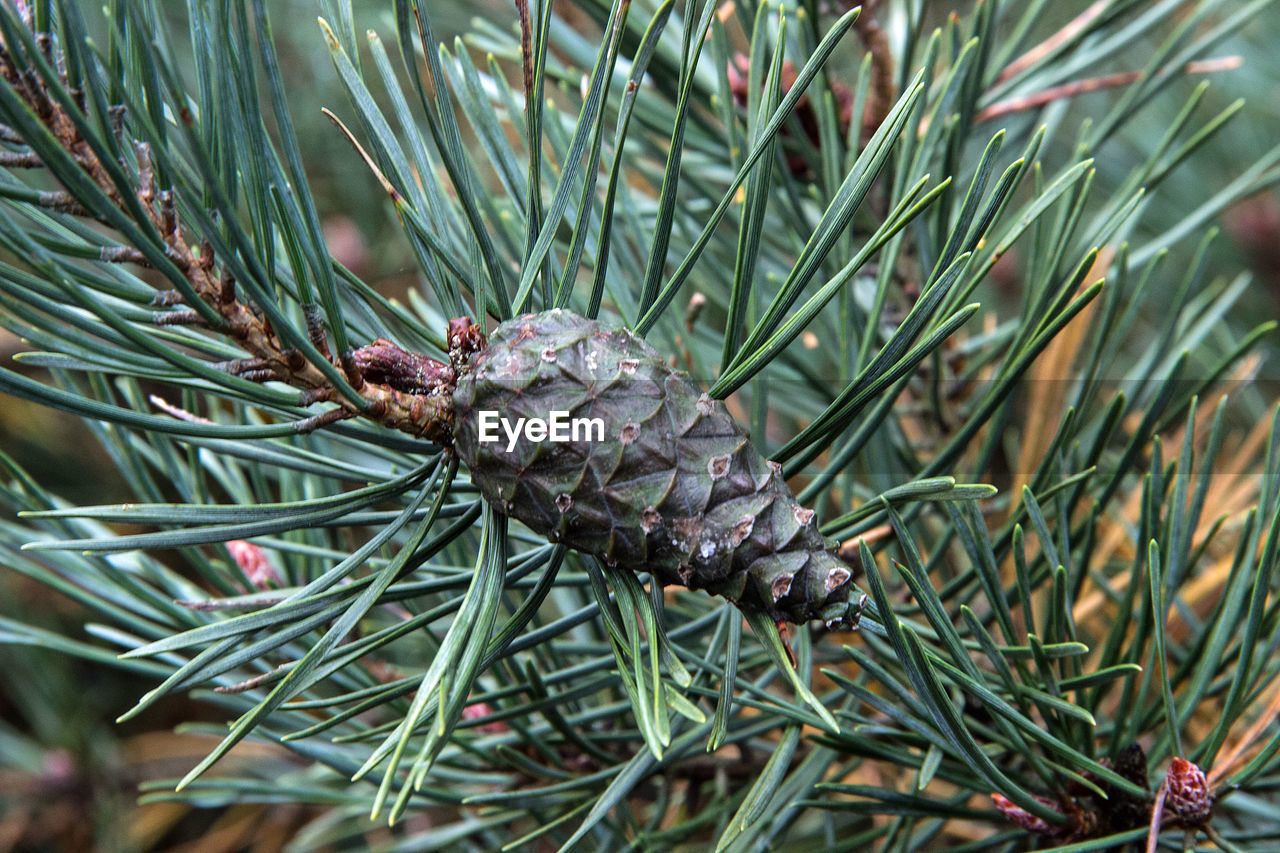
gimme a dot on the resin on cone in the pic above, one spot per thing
(673, 487)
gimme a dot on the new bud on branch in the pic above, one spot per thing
(1189, 797)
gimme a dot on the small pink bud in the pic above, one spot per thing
(253, 561)
(480, 710)
(59, 766)
(1188, 794)
(1023, 818)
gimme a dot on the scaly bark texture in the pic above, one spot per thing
(674, 488)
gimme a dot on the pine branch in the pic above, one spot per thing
(424, 411)
(1070, 629)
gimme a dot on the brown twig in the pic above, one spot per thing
(1093, 84)
(176, 412)
(1157, 819)
(421, 409)
(324, 419)
(256, 681)
(61, 201)
(526, 49)
(130, 255)
(20, 160)
(181, 317)
(217, 604)
(1073, 28)
(1249, 744)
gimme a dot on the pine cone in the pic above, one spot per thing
(655, 476)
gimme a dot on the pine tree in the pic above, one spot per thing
(953, 274)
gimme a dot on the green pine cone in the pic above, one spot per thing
(655, 476)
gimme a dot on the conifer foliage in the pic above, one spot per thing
(912, 316)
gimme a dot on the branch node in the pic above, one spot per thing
(240, 366)
(352, 370)
(61, 201)
(129, 255)
(294, 359)
(205, 259)
(315, 395)
(168, 215)
(115, 117)
(315, 329)
(323, 419)
(226, 287)
(20, 160)
(146, 174)
(165, 298)
(181, 317)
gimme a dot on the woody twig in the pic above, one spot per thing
(377, 372)
(1094, 84)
